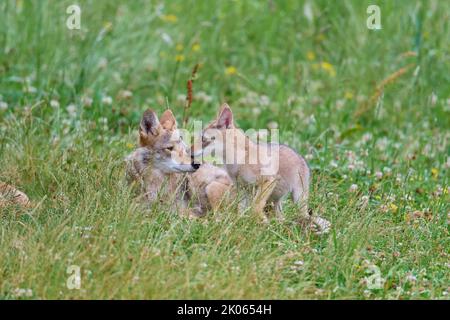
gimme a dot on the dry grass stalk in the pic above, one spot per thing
(189, 95)
(380, 88)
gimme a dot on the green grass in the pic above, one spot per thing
(69, 160)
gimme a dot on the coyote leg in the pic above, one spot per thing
(215, 192)
(264, 190)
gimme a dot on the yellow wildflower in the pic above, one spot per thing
(179, 58)
(107, 26)
(348, 95)
(169, 18)
(320, 37)
(229, 71)
(434, 172)
(393, 208)
(196, 47)
(310, 56)
(130, 145)
(328, 67)
(179, 47)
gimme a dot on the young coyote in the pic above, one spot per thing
(275, 169)
(162, 159)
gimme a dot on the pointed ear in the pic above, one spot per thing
(225, 118)
(149, 124)
(168, 120)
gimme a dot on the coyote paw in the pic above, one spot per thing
(320, 225)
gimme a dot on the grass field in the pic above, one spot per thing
(369, 109)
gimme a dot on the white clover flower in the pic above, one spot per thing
(54, 103)
(181, 98)
(411, 278)
(256, 111)
(433, 99)
(71, 109)
(29, 89)
(340, 104)
(166, 38)
(272, 125)
(299, 263)
(102, 63)
(353, 188)
(125, 94)
(366, 137)
(264, 100)
(333, 164)
(107, 100)
(387, 171)
(21, 292)
(87, 101)
(379, 175)
(202, 96)
(3, 105)
(382, 144)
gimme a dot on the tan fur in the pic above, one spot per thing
(151, 166)
(10, 195)
(274, 177)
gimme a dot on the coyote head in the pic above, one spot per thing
(166, 149)
(215, 135)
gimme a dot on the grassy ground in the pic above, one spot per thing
(379, 149)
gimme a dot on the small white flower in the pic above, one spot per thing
(308, 12)
(102, 63)
(364, 200)
(272, 125)
(256, 111)
(411, 278)
(433, 99)
(309, 156)
(333, 164)
(87, 101)
(351, 167)
(166, 38)
(21, 292)
(290, 290)
(181, 98)
(379, 175)
(387, 171)
(71, 109)
(264, 100)
(340, 104)
(29, 89)
(125, 94)
(202, 96)
(353, 188)
(54, 103)
(3, 105)
(299, 263)
(107, 100)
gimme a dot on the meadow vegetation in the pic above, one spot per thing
(369, 110)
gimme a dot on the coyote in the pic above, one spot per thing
(162, 158)
(276, 169)
(10, 195)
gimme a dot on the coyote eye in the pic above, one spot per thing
(169, 148)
